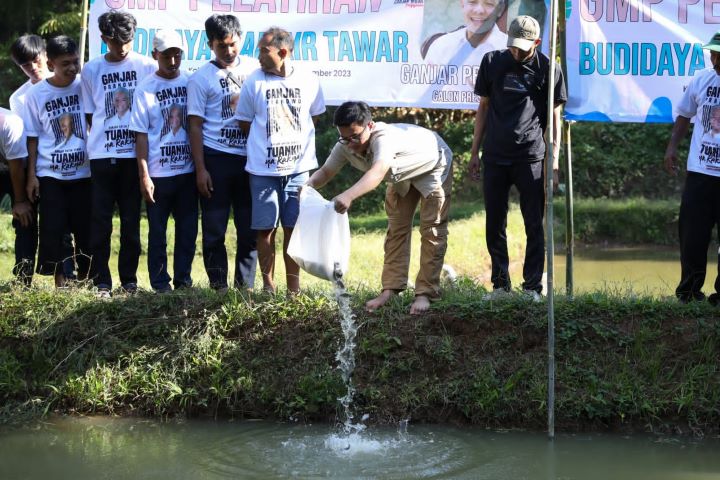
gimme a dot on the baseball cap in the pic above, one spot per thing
(165, 39)
(523, 32)
(714, 43)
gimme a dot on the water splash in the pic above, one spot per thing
(403, 429)
(346, 354)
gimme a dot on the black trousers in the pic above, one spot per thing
(231, 188)
(26, 238)
(176, 196)
(699, 213)
(63, 208)
(115, 181)
(528, 179)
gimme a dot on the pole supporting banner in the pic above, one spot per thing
(549, 215)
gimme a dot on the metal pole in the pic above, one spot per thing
(569, 194)
(550, 218)
(569, 214)
(83, 32)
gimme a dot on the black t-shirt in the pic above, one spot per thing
(517, 116)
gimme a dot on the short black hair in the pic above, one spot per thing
(217, 27)
(26, 48)
(61, 45)
(119, 26)
(281, 38)
(352, 112)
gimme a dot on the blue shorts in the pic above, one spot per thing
(275, 199)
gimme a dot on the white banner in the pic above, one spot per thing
(630, 60)
(385, 52)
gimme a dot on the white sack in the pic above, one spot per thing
(321, 236)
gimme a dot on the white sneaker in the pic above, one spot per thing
(497, 294)
(102, 294)
(533, 296)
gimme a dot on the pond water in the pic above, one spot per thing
(644, 269)
(111, 448)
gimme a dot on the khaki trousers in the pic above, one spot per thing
(433, 243)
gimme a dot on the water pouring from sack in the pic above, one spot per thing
(320, 245)
(346, 354)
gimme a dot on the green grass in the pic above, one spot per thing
(624, 361)
(466, 249)
(627, 222)
(634, 364)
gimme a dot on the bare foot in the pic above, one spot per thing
(379, 301)
(420, 305)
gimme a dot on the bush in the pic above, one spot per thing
(610, 160)
(613, 160)
(628, 221)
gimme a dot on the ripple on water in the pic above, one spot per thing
(317, 452)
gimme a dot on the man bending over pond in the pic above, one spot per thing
(417, 165)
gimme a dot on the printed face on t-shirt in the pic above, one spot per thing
(175, 119)
(226, 50)
(121, 102)
(234, 101)
(715, 120)
(66, 126)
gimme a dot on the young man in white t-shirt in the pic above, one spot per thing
(700, 205)
(108, 83)
(219, 151)
(276, 108)
(58, 168)
(13, 155)
(167, 179)
(28, 53)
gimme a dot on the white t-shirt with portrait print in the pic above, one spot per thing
(212, 96)
(176, 136)
(110, 136)
(60, 155)
(701, 95)
(282, 134)
(155, 97)
(13, 143)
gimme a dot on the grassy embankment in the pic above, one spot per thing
(622, 362)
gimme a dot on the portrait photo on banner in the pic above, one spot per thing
(456, 35)
(460, 32)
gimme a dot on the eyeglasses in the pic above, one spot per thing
(355, 138)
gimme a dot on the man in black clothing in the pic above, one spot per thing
(510, 122)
